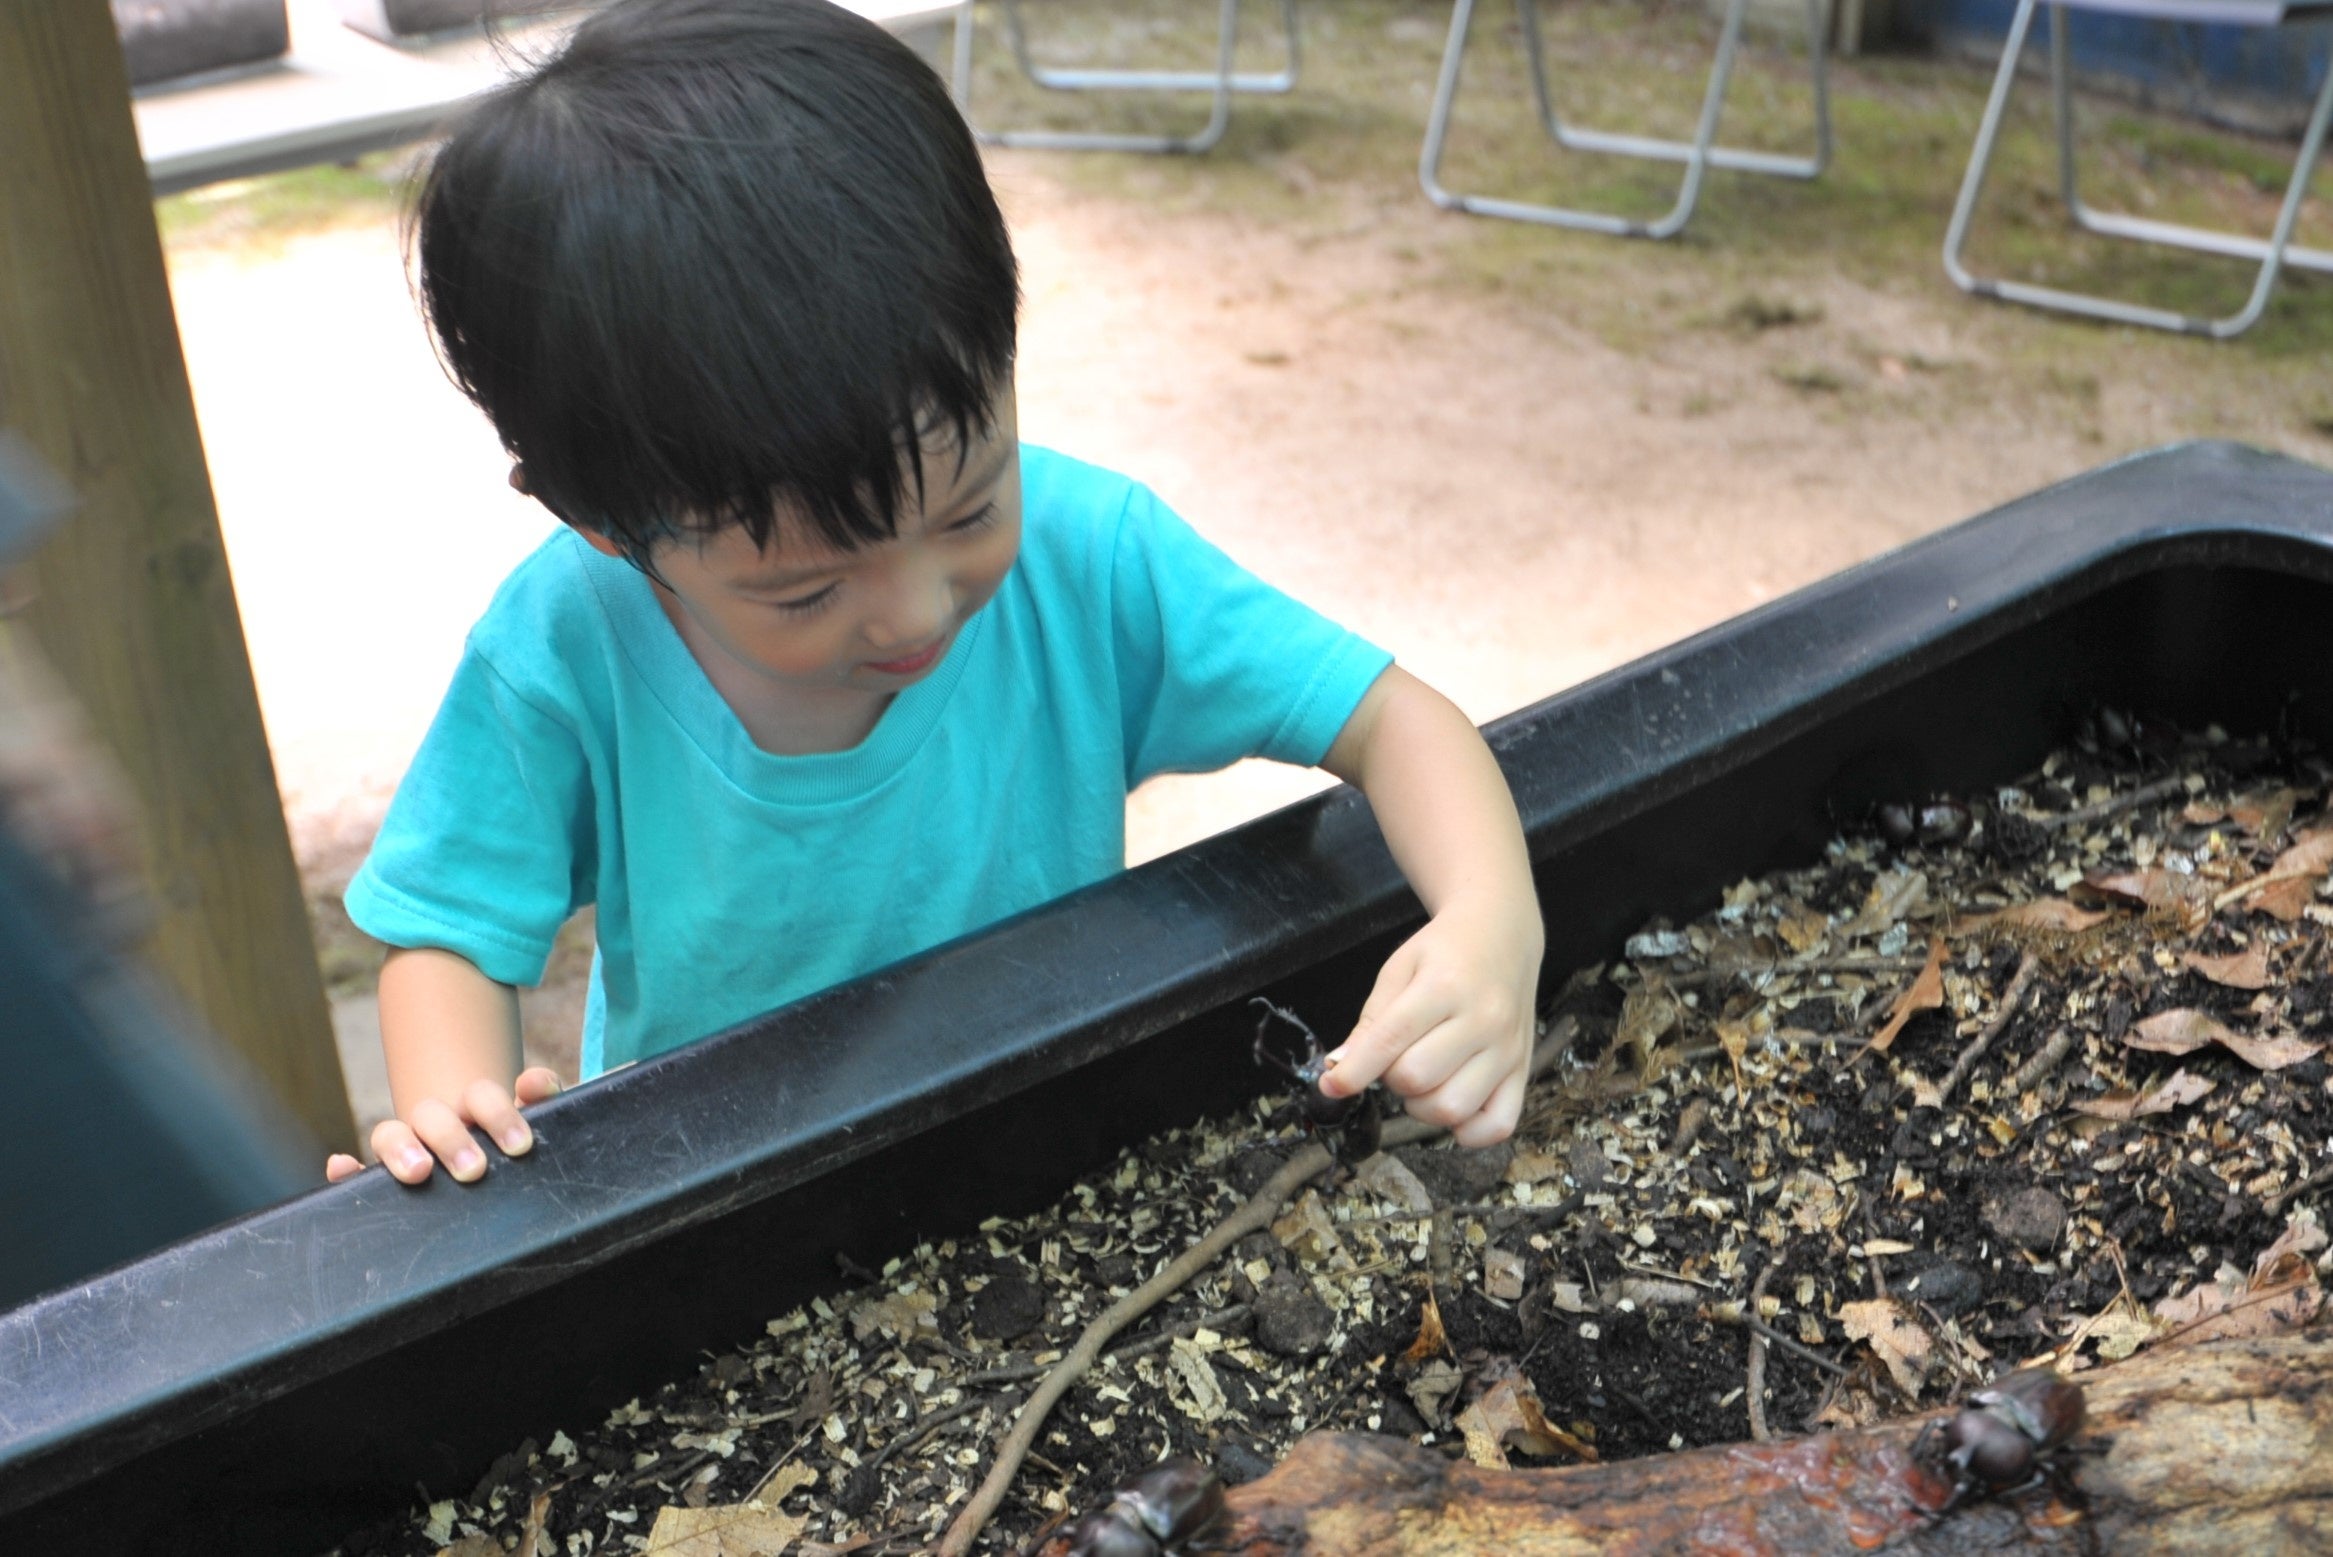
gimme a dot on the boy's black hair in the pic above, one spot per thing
(718, 256)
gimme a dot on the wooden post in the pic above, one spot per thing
(131, 600)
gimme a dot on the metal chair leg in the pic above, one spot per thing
(1698, 155)
(2272, 253)
(1220, 83)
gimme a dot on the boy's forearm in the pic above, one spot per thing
(1440, 800)
(445, 1025)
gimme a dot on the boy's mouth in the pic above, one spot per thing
(922, 659)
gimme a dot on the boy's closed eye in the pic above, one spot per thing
(803, 605)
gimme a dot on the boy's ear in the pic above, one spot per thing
(598, 542)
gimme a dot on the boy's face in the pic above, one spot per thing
(802, 625)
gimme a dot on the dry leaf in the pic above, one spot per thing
(2121, 1331)
(1802, 929)
(480, 1545)
(2044, 913)
(2231, 1308)
(1893, 898)
(1503, 1274)
(2185, 1031)
(1435, 1383)
(1190, 1365)
(532, 1541)
(1509, 1413)
(2202, 813)
(1926, 994)
(2247, 969)
(1646, 1014)
(1431, 1338)
(2284, 890)
(1532, 1166)
(2266, 814)
(1307, 1231)
(901, 1315)
(2183, 1087)
(725, 1530)
(1896, 1338)
(2157, 889)
(1389, 1178)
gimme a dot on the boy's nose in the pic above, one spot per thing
(918, 611)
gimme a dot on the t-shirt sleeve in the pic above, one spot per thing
(484, 849)
(1213, 663)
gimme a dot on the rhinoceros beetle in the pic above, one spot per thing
(1154, 1513)
(1349, 1126)
(2001, 1439)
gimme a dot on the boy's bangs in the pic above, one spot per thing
(722, 259)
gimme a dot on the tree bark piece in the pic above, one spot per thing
(2220, 1448)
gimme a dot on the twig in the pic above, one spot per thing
(924, 1426)
(1756, 1382)
(1017, 1372)
(1686, 978)
(2317, 1180)
(2011, 999)
(1689, 1127)
(1759, 1327)
(2145, 794)
(1308, 1163)
(2045, 1060)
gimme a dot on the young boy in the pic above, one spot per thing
(826, 667)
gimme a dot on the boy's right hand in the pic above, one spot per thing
(411, 1148)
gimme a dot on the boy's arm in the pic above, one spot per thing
(1449, 1023)
(451, 1036)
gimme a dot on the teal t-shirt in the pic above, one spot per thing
(582, 757)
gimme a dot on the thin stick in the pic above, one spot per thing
(1307, 1164)
(1017, 1372)
(1756, 1382)
(2145, 794)
(2011, 999)
(2317, 1180)
(1775, 1337)
(2045, 1060)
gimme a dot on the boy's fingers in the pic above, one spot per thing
(1459, 1096)
(1497, 1119)
(1394, 1017)
(535, 1084)
(340, 1165)
(401, 1152)
(448, 1139)
(491, 1109)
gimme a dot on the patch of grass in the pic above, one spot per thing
(281, 205)
(1811, 378)
(1756, 313)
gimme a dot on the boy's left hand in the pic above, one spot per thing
(1449, 1024)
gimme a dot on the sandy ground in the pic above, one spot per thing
(1508, 503)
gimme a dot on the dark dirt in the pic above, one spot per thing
(1716, 1112)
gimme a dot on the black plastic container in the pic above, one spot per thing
(276, 1382)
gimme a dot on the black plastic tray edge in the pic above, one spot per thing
(96, 1374)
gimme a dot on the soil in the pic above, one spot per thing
(2028, 1078)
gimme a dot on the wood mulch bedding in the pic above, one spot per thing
(2041, 1081)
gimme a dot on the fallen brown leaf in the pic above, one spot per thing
(1925, 994)
(1893, 897)
(472, 1546)
(2185, 1031)
(2183, 1087)
(1431, 1339)
(1896, 1338)
(2247, 969)
(725, 1530)
(1802, 929)
(2284, 889)
(2265, 814)
(2044, 913)
(2157, 889)
(1508, 1413)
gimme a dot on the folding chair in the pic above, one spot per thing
(2274, 253)
(1221, 82)
(1699, 154)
